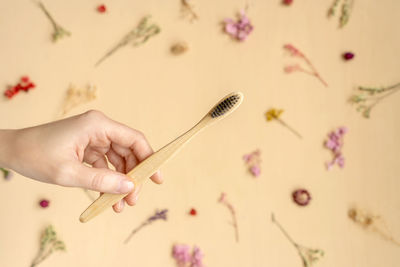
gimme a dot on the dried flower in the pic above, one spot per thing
(77, 96)
(335, 144)
(44, 203)
(137, 36)
(253, 161)
(301, 197)
(346, 9)
(348, 56)
(274, 114)
(6, 174)
(372, 223)
(294, 52)
(184, 258)
(179, 48)
(158, 215)
(287, 2)
(101, 9)
(49, 243)
(239, 29)
(59, 32)
(187, 10)
(308, 256)
(193, 212)
(230, 207)
(24, 85)
(367, 99)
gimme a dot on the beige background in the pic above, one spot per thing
(149, 89)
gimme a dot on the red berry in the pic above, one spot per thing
(287, 2)
(25, 79)
(101, 8)
(193, 212)
(44, 203)
(348, 56)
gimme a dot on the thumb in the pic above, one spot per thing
(102, 180)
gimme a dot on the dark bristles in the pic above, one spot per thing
(224, 106)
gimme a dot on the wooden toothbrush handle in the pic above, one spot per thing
(144, 170)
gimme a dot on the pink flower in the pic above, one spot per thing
(239, 29)
(255, 170)
(335, 144)
(197, 257)
(181, 254)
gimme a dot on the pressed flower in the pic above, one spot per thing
(25, 85)
(252, 161)
(335, 144)
(239, 29)
(287, 2)
(223, 200)
(369, 97)
(301, 197)
(348, 56)
(274, 114)
(184, 258)
(294, 52)
(179, 48)
(6, 173)
(158, 215)
(49, 243)
(346, 9)
(308, 256)
(193, 212)
(44, 203)
(137, 36)
(59, 32)
(101, 8)
(77, 96)
(187, 10)
(372, 223)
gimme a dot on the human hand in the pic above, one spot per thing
(56, 152)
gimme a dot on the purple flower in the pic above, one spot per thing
(239, 29)
(197, 257)
(255, 170)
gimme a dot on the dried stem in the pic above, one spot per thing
(59, 31)
(230, 207)
(187, 8)
(289, 127)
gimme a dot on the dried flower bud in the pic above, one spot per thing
(179, 48)
(301, 196)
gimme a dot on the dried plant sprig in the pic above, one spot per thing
(59, 31)
(372, 223)
(334, 144)
(274, 114)
(294, 52)
(158, 215)
(49, 243)
(367, 99)
(253, 161)
(77, 96)
(223, 200)
(308, 256)
(187, 10)
(6, 173)
(137, 36)
(346, 9)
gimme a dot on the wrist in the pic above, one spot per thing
(7, 143)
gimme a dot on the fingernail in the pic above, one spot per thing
(125, 186)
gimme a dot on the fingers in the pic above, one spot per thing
(132, 198)
(119, 206)
(100, 179)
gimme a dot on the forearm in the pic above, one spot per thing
(7, 143)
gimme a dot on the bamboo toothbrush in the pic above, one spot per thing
(149, 166)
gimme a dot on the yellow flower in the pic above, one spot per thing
(273, 114)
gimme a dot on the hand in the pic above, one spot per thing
(56, 152)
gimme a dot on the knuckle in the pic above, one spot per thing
(93, 114)
(97, 182)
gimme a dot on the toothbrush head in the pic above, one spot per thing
(227, 105)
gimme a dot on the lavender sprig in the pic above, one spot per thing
(49, 243)
(366, 100)
(308, 256)
(6, 173)
(158, 215)
(137, 36)
(59, 31)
